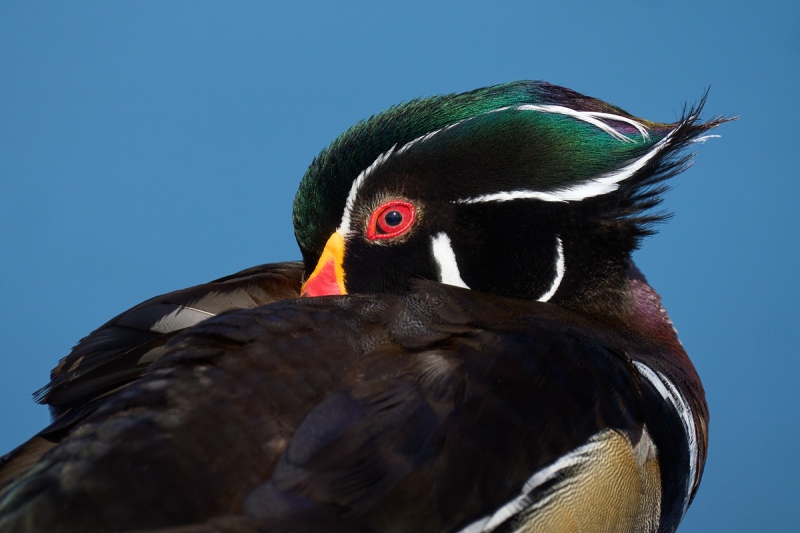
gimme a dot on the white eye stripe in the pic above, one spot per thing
(591, 117)
(427, 136)
(344, 226)
(603, 184)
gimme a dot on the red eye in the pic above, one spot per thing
(390, 220)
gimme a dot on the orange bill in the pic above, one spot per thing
(328, 277)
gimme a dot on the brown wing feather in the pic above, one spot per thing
(117, 353)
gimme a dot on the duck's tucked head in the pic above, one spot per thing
(526, 189)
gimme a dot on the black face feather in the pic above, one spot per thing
(392, 269)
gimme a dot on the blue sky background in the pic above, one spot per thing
(146, 147)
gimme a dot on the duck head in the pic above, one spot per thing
(526, 190)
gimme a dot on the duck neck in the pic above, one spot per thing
(646, 313)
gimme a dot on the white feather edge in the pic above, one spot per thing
(704, 138)
(670, 392)
(522, 502)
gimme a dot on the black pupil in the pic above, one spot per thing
(393, 218)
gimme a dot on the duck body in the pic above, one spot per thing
(433, 410)
(419, 391)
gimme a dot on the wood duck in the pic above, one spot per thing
(475, 350)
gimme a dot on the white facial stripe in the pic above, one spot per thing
(507, 196)
(603, 184)
(592, 117)
(670, 392)
(427, 136)
(446, 259)
(344, 226)
(559, 272)
(523, 501)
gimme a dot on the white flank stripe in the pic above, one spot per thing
(559, 272)
(522, 502)
(670, 392)
(603, 184)
(446, 259)
(344, 226)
